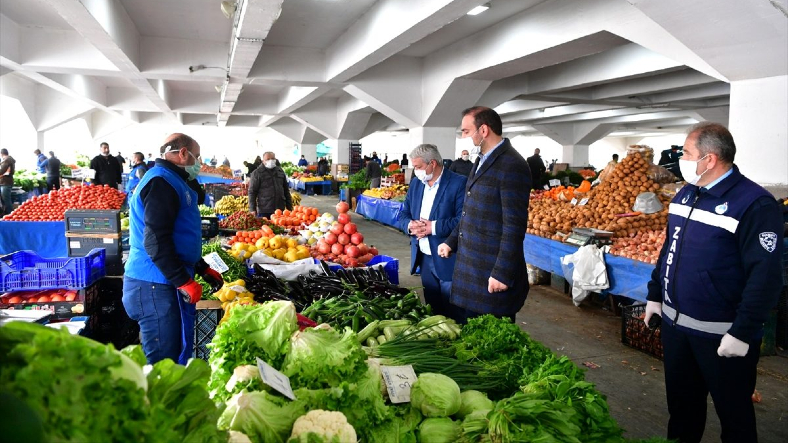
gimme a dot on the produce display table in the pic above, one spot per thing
(324, 187)
(628, 278)
(378, 209)
(296, 184)
(208, 179)
(47, 239)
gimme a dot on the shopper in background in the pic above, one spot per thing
(302, 162)
(7, 169)
(322, 166)
(138, 170)
(376, 159)
(717, 278)
(150, 163)
(121, 161)
(489, 238)
(40, 160)
(226, 162)
(268, 190)
(373, 172)
(536, 164)
(431, 211)
(404, 162)
(462, 165)
(250, 167)
(52, 167)
(159, 291)
(213, 161)
(107, 168)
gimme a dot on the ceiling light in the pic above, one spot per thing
(479, 9)
(228, 9)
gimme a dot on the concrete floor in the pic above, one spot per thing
(633, 381)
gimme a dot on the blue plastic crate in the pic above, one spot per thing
(24, 270)
(391, 266)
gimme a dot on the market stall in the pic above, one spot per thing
(48, 238)
(204, 179)
(378, 209)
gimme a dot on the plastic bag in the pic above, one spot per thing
(586, 271)
(660, 174)
(647, 152)
(284, 270)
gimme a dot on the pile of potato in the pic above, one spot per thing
(614, 196)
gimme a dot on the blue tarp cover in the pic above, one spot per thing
(47, 239)
(628, 277)
(382, 211)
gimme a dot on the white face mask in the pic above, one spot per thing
(422, 175)
(688, 168)
(466, 157)
(270, 164)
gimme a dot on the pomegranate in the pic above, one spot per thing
(343, 239)
(357, 238)
(373, 250)
(342, 207)
(330, 238)
(350, 228)
(323, 247)
(337, 228)
(352, 251)
(343, 218)
(337, 248)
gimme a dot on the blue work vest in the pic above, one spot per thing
(133, 179)
(186, 237)
(702, 274)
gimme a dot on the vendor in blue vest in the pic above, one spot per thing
(718, 275)
(138, 170)
(159, 291)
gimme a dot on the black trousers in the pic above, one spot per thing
(692, 371)
(53, 183)
(436, 291)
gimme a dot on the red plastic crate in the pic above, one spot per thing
(26, 270)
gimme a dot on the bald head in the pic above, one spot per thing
(180, 149)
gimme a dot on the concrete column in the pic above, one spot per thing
(759, 110)
(40, 145)
(576, 155)
(341, 153)
(309, 151)
(444, 138)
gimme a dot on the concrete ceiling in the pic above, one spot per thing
(345, 68)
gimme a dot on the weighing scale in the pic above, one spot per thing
(584, 236)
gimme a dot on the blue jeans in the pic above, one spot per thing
(167, 330)
(5, 196)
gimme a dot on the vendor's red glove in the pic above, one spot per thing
(191, 292)
(213, 278)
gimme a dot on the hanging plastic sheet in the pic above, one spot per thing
(382, 211)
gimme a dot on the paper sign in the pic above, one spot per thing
(275, 379)
(574, 201)
(555, 182)
(583, 202)
(216, 263)
(398, 380)
(74, 244)
(108, 240)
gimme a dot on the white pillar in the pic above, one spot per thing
(341, 154)
(444, 138)
(576, 155)
(759, 110)
(309, 152)
(40, 145)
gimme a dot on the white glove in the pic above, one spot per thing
(731, 346)
(652, 307)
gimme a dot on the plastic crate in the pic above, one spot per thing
(209, 314)
(635, 334)
(26, 270)
(391, 266)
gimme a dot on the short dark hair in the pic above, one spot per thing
(4, 151)
(615, 156)
(37, 151)
(52, 153)
(178, 142)
(714, 138)
(138, 156)
(483, 115)
(103, 143)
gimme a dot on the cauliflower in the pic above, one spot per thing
(242, 374)
(319, 425)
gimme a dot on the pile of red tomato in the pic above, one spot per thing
(53, 205)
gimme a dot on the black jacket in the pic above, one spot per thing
(268, 190)
(52, 167)
(461, 167)
(537, 167)
(108, 170)
(322, 167)
(373, 170)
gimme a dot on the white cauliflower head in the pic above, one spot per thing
(330, 425)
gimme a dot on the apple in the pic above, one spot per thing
(350, 228)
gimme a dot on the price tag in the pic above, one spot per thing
(275, 379)
(398, 380)
(583, 202)
(216, 263)
(546, 188)
(555, 182)
(574, 201)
